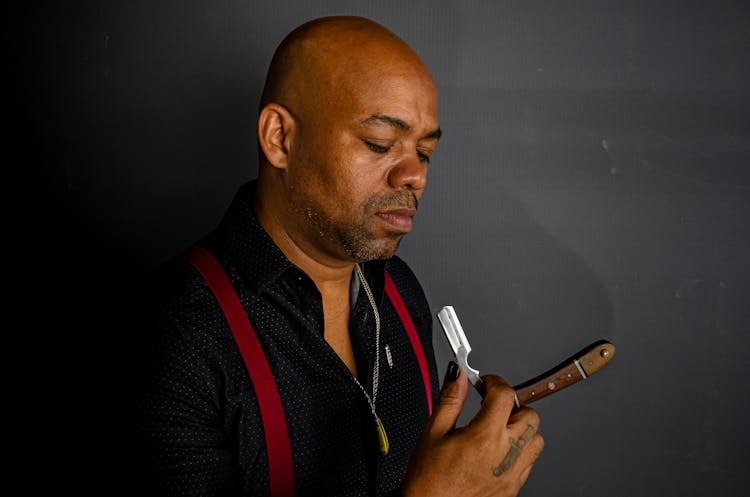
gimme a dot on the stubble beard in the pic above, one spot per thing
(359, 244)
(355, 236)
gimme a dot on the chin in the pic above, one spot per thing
(375, 250)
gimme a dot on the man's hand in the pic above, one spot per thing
(490, 456)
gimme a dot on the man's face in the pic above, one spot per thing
(359, 165)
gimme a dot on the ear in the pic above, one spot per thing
(275, 132)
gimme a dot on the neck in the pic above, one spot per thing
(324, 271)
(328, 272)
(331, 276)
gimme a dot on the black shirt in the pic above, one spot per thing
(201, 422)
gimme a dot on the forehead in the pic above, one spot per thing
(407, 96)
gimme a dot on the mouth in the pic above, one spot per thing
(399, 220)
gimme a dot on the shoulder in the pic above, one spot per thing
(177, 286)
(410, 290)
(404, 278)
(180, 305)
(188, 339)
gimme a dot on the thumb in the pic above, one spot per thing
(450, 402)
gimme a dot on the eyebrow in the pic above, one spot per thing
(397, 123)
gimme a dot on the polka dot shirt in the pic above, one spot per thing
(200, 424)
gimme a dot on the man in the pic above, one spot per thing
(347, 125)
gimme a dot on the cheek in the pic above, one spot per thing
(350, 176)
(316, 167)
(339, 173)
(364, 180)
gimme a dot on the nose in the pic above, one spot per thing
(409, 172)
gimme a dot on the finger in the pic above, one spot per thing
(450, 402)
(523, 426)
(499, 400)
(530, 453)
(522, 417)
(525, 475)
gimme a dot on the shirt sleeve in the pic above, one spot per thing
(184, 447)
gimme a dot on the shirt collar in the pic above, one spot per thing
(258, 258)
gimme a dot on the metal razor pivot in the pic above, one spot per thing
(459, 343)
(579, 367)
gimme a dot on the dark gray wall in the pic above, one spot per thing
(593, 182)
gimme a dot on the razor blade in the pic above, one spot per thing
(572, 370)
(459, 343)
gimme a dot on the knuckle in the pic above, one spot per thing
(450, 397)
(533, 418)
(538, 445)
(494, 381)
(540, 442)
(502, 394)
(527, 416)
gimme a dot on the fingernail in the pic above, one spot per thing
(452, 374)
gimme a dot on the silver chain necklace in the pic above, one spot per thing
(382, 437)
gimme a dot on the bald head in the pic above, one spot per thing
(327, 58)
(347, 123)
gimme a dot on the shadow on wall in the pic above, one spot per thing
(525, 300)
(139, 126)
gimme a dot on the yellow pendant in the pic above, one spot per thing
(382, 437)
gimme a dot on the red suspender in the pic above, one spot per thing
(280, 468)
(411, 331)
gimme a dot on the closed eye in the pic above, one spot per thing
(382, 149)
(378, 149)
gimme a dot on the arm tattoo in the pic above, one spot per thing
(516, 446)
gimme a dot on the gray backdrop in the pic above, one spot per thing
(592, 182)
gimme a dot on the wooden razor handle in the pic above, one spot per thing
(579, 367)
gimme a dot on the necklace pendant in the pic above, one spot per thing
(382, 437)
